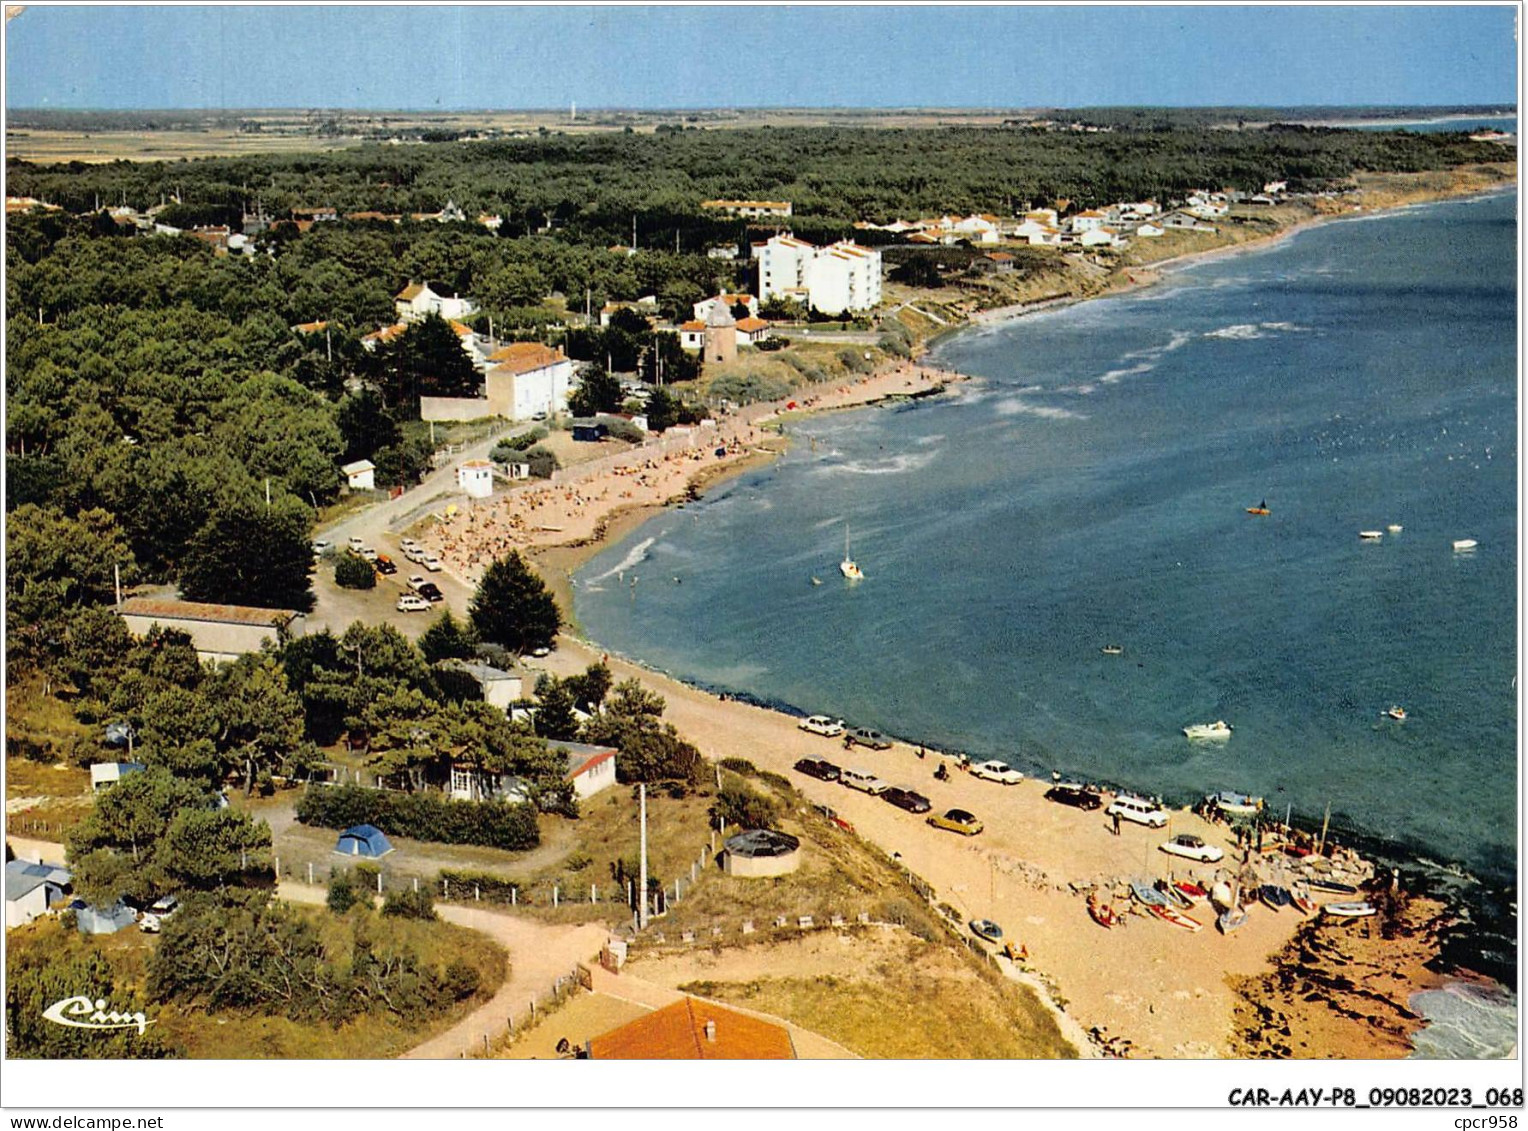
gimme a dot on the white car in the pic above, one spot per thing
(1193, 848)
(417, 582)
(1138, 809)
(321, 547)
(355, 544)
(414, 553)
(149, 924)
(432, 563)
(413, 603)
(821, 724)
(407, 544)
(864, 781)
(369, 553)
(998, 772)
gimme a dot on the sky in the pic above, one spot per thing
(654, 57)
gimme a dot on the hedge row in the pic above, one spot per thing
(422, 816)
(489, 887)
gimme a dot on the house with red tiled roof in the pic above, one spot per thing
(527, 381)
(703, 307)
(418, 300)
(693, 1029)
(750, 208)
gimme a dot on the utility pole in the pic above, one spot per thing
(117, 573)
(642, 867)
(267, 492)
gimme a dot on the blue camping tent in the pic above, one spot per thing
(363, 840)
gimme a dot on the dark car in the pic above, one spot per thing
(817, 768)
(1078, 797)
(907, 799)
(430, 592)
(384, 564)
(864, 736)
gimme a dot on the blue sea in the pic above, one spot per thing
(1090, 488)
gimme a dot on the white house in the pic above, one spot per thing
(841, 277)
(501, 688)
(703, 307)
(527, 379)
(751, 331)
(590, 768)
(749, 208)
(1099, 237)
(1149, 231)
(692, 335)
(1085, 221)
(977, 229)
(360, 475)
(1037, 233)
(31, 888)
(417, 300)
(475, 477)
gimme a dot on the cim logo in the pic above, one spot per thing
(82, 1013)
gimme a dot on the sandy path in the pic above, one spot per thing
(1163, 988)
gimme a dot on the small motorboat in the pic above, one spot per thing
(1370, 535)
(1275, 897)
(1261, 508)
(1112, 650)
(1350, 910)
(987, 929)
(1231, 919)
(1236, 804)
(1396, 713)
(1304, 904)
(1464, 544)
(1176, 918)
(1174, 896)
(816, 581)
(1394, 528)
(1147, 895)
(1332, 886)
(1220, 896)
(1218, 729)
(1102, 913)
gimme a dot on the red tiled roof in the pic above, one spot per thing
(752, 325)
(523, 357)
(694, 326)
(165, 609)
(410, 292)
(678, 1032)
(310, 327)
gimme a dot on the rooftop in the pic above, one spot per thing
(160, 608)
(694, 1030)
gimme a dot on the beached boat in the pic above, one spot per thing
(1174, 896)
(1304, 904)
(1235, 804)
(1333, 886)
(1146, 895)
(987, 929)
(1102, 913)
(1350, 910)
(1464, 544)
(1190, 891)
(1218, 729)
(847, 567)
(1221, 897)
(1261, 508)
(1176, 918)
(1397, 713)
(1370, 535)
(1112, 650)
(1275, 896)
(1231, 919)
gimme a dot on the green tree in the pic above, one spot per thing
(205, 849)
(427, 359)
(343, 893)
(447, 639)
(554, 709)
(651, 749)
(542, 462)
(351, 571)
(52, 969)
(262, 718)
(598, 391)
(248, 554)
(513, 607)
(662, 410)
(590, 688)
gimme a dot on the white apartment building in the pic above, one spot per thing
(838, 278)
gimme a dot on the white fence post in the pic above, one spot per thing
(416, 885)
(310, 874)
(554, 895)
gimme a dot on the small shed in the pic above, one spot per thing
(590, 768)
(102, 921)
(501, 688)
(587, 429)
(761, 852)
(475, 477)
(361, 475)
(363, 840)
(103, 774)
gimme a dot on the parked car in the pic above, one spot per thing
(417, 582)
(407, 544)
(1193, 848)
(321, 546)
(149, 924)
(957, 821)
(817, 768)
(414, 553)
(998, 772)
(864, 736)
(369, 553)
(413, 603)
(355, 544)
(431, 592)
(1077, 796)
(1141, 810)
(385, 564)
(821, 724)
(540, 652)
(164, 906)
(862, 780)
(904, 798)
(432, 563)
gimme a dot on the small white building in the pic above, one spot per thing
(417, 300)
(475, 477)
(692, 335)
(501, 688)
(32, 888)
(360, 475)
(1085, 221)
(1149, 231)
(218, 632)
(590, 768)
(103, 774)
(703, 307)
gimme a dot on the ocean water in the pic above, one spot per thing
(1466, 1021)
(1090, 489)
(1506, 124)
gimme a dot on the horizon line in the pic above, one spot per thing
(10, 108)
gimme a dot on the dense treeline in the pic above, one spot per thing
(495, 824)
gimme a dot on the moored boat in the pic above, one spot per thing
(1304, 904)
(1190, 891)
(847, 567)
(1394, 528)
(1261, 508)
(1112, 650)
(1350, 910)
(1173, 895)
(1464, 544)
(1236, 804)
(1275, 896)
(1370, 535)
(1333, 886)
(1397, 713)
(1176, 918)
(1218, 729)
(987, 929)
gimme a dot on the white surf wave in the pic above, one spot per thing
(908, 461)
(1018, 406)
(1250, 331)
(636, 556)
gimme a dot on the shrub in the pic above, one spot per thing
(740, 766)
(626, 431)
(423, 816)
(855, 361)
(460, 884)
(507, 449)
(542, 461)
(770, 345)
(409, 905)
(740, 805)
(351, 571)
(343, 894)
(778, 781)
